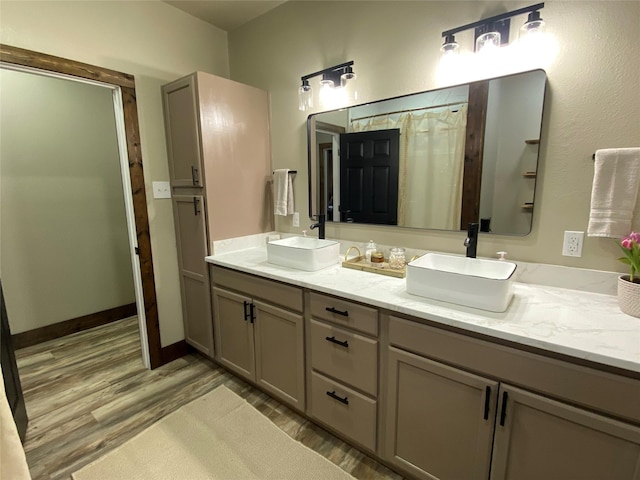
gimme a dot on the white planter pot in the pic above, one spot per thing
(629, 296)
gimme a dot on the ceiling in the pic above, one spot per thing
(225, 14)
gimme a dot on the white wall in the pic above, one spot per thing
(64, 244)
(592, 103)
(154, 42)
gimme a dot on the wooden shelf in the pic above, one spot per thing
(527, 206)
(530, 174)
(533, 141)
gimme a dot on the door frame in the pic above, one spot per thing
(126, 112)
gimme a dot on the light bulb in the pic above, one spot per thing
(488, 42)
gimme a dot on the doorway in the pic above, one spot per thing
(122, 87)
(369, 171)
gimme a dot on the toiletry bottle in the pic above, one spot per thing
(369, 249)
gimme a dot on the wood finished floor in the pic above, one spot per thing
(88, 393)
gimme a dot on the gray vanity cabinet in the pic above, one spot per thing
(191, 242)
(444, 422)
(537, 437)
(440, 419)
(260, 341)
(342, 367)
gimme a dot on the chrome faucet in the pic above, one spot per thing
(320, 225)
(471, 242)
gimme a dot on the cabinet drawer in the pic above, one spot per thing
(276, 293)
(351, 414)
(347, 356)
(615, 394)
(344, 312)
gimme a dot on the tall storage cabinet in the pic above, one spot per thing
(218, 148)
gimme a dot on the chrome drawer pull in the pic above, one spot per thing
(344, 344)
(344, 313)
(344, 400)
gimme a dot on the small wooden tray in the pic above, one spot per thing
(360, 263)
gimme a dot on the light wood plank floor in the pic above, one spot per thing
(88, 392)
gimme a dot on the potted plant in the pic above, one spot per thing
(629, 285)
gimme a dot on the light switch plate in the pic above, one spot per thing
(161, 190)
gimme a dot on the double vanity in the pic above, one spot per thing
(549, 388)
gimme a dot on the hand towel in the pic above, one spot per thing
(282, 192)
(616, 182)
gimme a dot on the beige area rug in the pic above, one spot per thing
(218, 436)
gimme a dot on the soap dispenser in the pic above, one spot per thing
(369, 249)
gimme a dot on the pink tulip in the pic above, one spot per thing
(631, 248)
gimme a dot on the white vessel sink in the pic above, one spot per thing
(472, 282)
(303, 253)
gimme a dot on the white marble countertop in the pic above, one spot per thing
(588, 326)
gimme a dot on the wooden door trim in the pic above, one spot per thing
(49, 63)
(474, 150)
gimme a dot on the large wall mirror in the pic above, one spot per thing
(432, 160)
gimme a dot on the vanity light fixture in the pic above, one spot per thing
(534, 24)
(333, 82)
(450, 46)
(492, 32)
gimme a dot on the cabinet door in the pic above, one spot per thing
(540, 438)
(191, 239)
(279, 341)
(183, 132)
(439, 419)
(234, 332)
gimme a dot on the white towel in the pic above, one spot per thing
(615, 188)
(282, 192)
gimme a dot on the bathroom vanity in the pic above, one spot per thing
(548, 389)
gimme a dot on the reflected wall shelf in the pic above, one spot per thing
(533, 141)
(527, 206)
(530, 174)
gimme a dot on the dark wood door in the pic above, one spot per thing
(369, 165)
(12, 384)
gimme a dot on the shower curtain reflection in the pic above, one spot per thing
(432, 149)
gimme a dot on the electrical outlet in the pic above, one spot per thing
(572, 245)
(295, 221)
